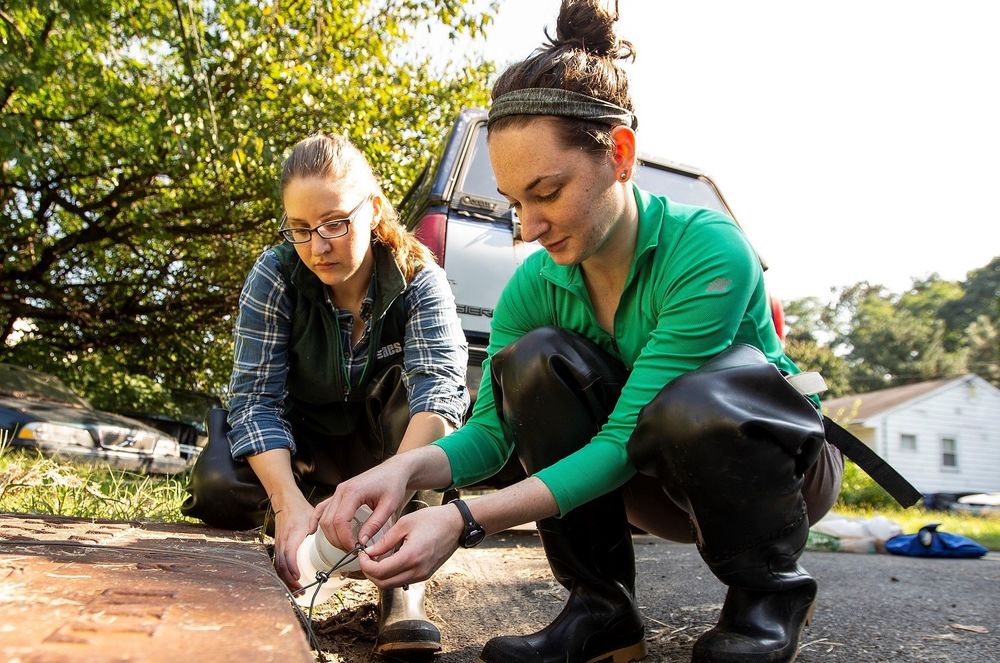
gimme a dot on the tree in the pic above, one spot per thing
(980, 297)
(140, 145)
(811, 356)
(892, 343)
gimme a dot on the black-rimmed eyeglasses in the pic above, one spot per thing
(327, 230)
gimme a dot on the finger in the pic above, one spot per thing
(323, 510)
(279, 566)
(385, 574)
(383, 511)
(338, 522)
(292, 562)
(391, 540)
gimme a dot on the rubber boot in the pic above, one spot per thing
(556, 390)
(403, 628)
(730, 444)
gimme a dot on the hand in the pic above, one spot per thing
(382, 488)
(422, 541)
(292, 522)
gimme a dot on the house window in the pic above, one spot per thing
(949, 453)
(908, 442)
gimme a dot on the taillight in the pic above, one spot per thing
(430, 230)
(778, 317)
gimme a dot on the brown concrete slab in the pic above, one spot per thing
(81, 590)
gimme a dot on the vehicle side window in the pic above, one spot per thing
(478, 179)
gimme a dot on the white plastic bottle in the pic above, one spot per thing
(317, 554)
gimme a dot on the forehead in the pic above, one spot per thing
(306, 197)
(521, 154)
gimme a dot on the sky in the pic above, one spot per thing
(854, 140)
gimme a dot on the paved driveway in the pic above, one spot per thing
(872, 607)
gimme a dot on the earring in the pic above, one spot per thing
(623, 176)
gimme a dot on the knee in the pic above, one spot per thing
(549, 358)
(678, 424)
(526, 360)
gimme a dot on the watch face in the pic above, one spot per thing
(474, 537)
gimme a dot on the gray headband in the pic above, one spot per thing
(563, 103)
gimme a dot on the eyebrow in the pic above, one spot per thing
(338, 216)
(535, 182)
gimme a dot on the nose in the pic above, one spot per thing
(318, 245)
(533, 225)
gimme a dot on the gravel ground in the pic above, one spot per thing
(871, 607)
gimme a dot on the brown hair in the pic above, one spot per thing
(580, 59)
(334, 156)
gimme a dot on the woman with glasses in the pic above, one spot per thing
(348, 350)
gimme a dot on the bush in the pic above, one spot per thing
(860, 490)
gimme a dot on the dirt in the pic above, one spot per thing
(872, 608)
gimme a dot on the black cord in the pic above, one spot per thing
(306, 621)
(323, 576)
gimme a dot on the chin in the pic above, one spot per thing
(563, 257)
(329, 278)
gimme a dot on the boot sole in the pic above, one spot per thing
(628, 654)
(805, 622)
(405, 647)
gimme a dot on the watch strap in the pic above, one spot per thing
(472, 528)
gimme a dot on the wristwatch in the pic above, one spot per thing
(474, 533)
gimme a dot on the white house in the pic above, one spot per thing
(942, 435)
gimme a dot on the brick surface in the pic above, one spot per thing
(81, 590)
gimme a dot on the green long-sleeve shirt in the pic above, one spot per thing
(694, 288)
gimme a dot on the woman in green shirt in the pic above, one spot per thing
(640, 339)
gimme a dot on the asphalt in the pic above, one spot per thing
(871, 607)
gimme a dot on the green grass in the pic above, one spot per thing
(31, 483)
(861, 497)
(985, 530)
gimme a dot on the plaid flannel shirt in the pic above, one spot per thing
(435, 354)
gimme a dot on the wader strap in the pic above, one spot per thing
(884, 475)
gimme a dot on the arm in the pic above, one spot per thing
(424, 428)
(259, 432)
(260, 363)
(435, 352)
(292, 511)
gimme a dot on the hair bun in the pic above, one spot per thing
(589, 25)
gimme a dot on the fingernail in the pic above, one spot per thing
(363, 540)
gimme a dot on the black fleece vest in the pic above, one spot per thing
(319, 395)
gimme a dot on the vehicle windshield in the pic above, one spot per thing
(478, 180)
(26, 383)
(678, 187)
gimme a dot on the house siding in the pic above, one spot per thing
(967, 411)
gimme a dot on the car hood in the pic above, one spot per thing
(44, 410)
(135, 436)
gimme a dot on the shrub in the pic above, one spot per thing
(860, 490)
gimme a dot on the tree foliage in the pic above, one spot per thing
(935, 329)
(140, 145)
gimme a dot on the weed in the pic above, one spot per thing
(32, 483)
